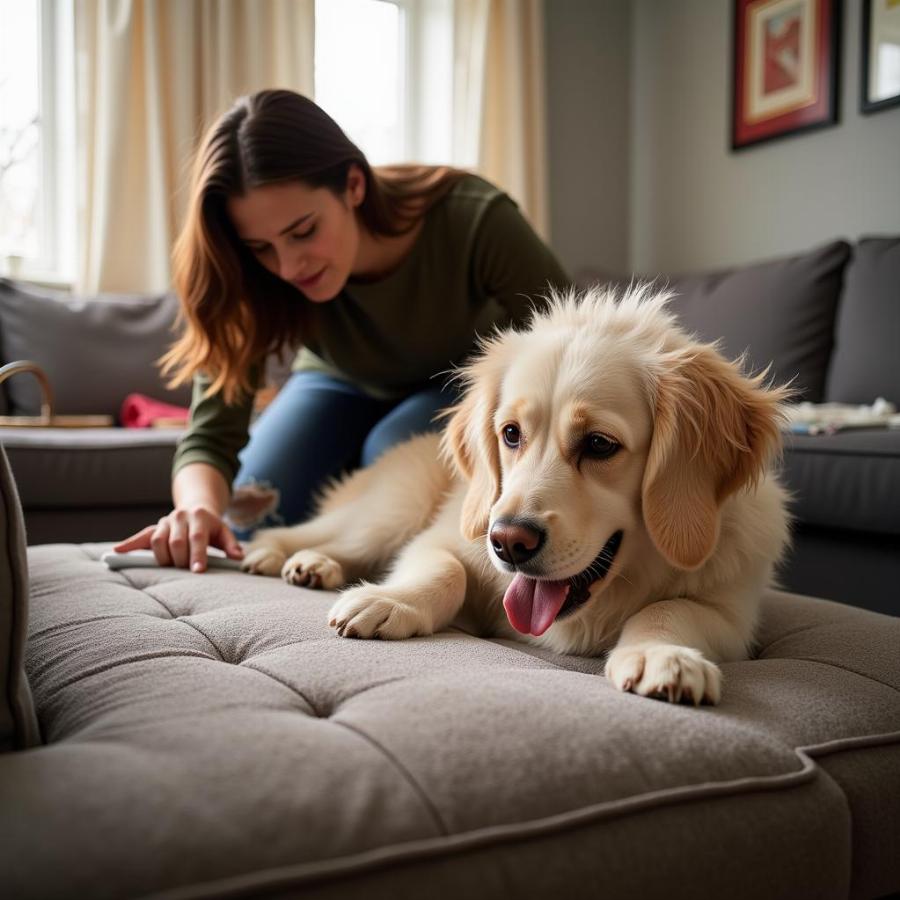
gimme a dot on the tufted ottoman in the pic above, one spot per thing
(209, 736)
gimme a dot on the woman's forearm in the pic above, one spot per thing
(200, 484)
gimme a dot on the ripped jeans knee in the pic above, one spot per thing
(253, 505)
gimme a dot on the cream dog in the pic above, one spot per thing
(603, 485)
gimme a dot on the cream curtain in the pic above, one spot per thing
(499, 100)
(151, 74)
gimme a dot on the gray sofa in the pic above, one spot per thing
(169, 735)
(87, 484)
(829, 319)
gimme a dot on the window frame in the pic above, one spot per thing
(428, 79)
(58, 146)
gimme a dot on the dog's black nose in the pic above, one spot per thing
(515, 541)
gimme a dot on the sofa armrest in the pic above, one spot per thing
(18, 723)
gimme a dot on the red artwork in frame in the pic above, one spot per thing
(785, 77)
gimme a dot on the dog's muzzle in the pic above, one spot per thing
(532, 605)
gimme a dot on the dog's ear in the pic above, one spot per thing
(715, 432)
(470, 443)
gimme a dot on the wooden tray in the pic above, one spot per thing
(56, 422)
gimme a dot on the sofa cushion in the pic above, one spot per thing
(781, 312)
(211, 736)
(866, 359)
(849, 480)
(18, 725)
(96, 350)
(69, 468)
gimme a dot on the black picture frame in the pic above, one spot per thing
(866, 105)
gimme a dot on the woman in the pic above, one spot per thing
(385, 277)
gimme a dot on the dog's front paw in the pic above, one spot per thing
(368, 611)
(263, 561)
(666, 671)
(309, 568)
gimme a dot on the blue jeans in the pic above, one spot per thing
(317, 428)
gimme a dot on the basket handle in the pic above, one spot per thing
(25, 365)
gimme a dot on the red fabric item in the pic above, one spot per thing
(140, 411)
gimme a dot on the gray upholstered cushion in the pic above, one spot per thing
(781, 312)
(18, 725)
(92, 483)
(866, 359)
(96, 350)
(210, 736)
(849, 480)
(59, 468)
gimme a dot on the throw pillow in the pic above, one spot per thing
(781, 312)
(866, 360)
(95, 350)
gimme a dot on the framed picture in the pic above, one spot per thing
(785, 77)
(880, 74)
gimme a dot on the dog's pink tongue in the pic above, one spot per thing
(531, 606)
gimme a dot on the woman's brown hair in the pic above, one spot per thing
(234, 312)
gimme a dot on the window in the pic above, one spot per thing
(37, 143)
(384, 72)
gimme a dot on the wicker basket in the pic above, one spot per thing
(46, 419)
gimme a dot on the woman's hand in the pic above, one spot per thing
(182, 537)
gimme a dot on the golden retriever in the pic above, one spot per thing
(603, 485)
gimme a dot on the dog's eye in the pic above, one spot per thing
(599, 446)
(511, 436)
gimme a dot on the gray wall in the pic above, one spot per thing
(588, 110)
(693, 203)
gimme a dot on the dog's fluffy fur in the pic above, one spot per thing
(602, 419)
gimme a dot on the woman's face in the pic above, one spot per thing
(307, 236)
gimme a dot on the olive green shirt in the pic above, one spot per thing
(475, 265)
